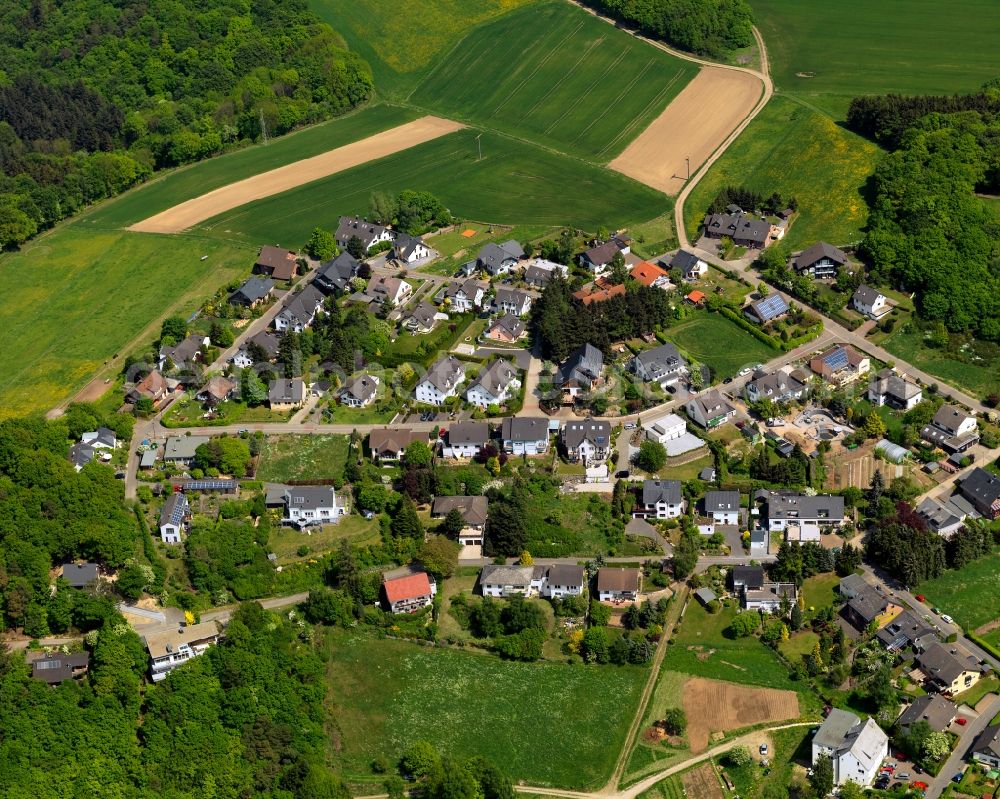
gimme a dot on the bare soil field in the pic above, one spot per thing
(702, 783)
(190, 213)
(712, 707)
(692, 127)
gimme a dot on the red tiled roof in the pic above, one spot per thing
(588, 296)
(411, 586)
(646, 273)
(696, 296)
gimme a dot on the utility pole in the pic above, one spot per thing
(687, 159)
(263, 126)
(480, 145)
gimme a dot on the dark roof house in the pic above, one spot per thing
(276, 262)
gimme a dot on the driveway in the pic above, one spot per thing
(987, 710)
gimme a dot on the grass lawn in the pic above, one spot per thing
(285, 541)
(558, 76)
(798, 152)
(820, 591)
(514, 183)
(654, 237)
(978, 691)
(978, 379)
(178, 185)
(971, 594)
(342, 414)
(76, 297)
(317, 457)
(799, 644)
(791, 747)
(386, 694)
(563, 525)
(681, 469)
(698, 335)
(188, 413)
(828, 53)
(669, 788)
(746, 660)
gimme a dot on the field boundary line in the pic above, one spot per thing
(626, 131)
(566, 75)
(584, 95)
(608, 106)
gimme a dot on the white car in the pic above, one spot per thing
(947, 619)
(762, 749)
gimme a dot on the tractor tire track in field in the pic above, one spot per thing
(565, 76)
(613, 104)
(627, 130)
(584, 95)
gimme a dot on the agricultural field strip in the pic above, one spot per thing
(275, 181)
(580, 97)
(628, 131)
(614, 103)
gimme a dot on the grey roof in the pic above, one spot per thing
(302, 307)
(684, 260)
(598, 433)
(252, 290)
(337, 272)
(945, 663)
(661, 360)
(835, 728)
(852, 584)
(988, 742)
(310, 497)
(506, 575)
(80, 576)
(406, 244)
(707, 474)
(705, 595)
(564, 574)
(54, 667)
(738, 226)
(982, 489)
(712, 404)
(524, 428)
(445, 373)
(770, 307)
(818, 252)
(722, 501)
(474, 510)
(865, 295)
(469, 288)
(888, 382)
(868, 603)
(538, 275)
(602, 254)
(750, 576)
(182, 448)
(497, 378)
(937, 711)
(770, 592)
(514, 297)
(362, 387)
(422, 315)
(778, 385)
(80, 454)
(800, 506)
(284, 390)
(511, 324)
(174, 510)
(349, 226)
(583, 366)
(950, 418)
(654, 491)
(267, 341)
(149, 458)
(464, 433)
(184, 351)
(903, 630)
(492, 256)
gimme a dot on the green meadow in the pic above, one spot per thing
(699, 335)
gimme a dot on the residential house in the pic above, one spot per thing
(709, 409)
(170, 649)
(466, 439)
(53, 668)
(276, 263)
(410, 249)
(869, 605)
(253, 292)
(309, 505)
(524, 435)
(540, 271)
(391, 290)
(389, 443)
(661, 499)
(299, 310)
(651, 275)
(80, 575)
(667, 428)
(723, 507)
(949, 668)
(359, 391)
(599, 292)
(422, 318)
(852, 585)
(747, 578)
(80, 454)
(580, 372)
(409, 593)
(777, 387)
(690, 265)
(802, 532)
(855, 748)
(217, 390)
(743, 229)
(463, 296)
(599, 257)
(180, 450)
(184, 353)
(370, 233)
(933, 709)
(263, 344)
(474, 510)
(335, 276)
(785, 508)
(495, 385)
(507, 329)
(870, 302)
(588, 441)
(506, 581)
(562, 580)
(766, 309)
(982, 489)
(893, 390)
(840, 364)
(174, 517)
(986, 748)
(907, 630)
(286, 395)
(499, 259)
(663, 365)
(951, 429)
(618, 585)
(822, 260)
(441, 381)
(512, 301)
(943, 517)
(768, 598)
(759, 541)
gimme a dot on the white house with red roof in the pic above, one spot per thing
(409, 593)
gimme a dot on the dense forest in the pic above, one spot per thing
(96, 95)
(707, 27)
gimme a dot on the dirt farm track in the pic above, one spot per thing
(190, 213)
(695, 123)
(713, 706)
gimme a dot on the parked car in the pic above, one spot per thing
(762, 749)
(902, 776)
(958, 777)
(947, 619)
(961, 721)
(920, 598)
(630, 426)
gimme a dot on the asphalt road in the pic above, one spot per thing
(956, 761)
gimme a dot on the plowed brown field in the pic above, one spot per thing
(713, 706)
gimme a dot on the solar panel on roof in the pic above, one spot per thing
(837, 359)
(209, 485)
(42, 665)
(772, 306)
